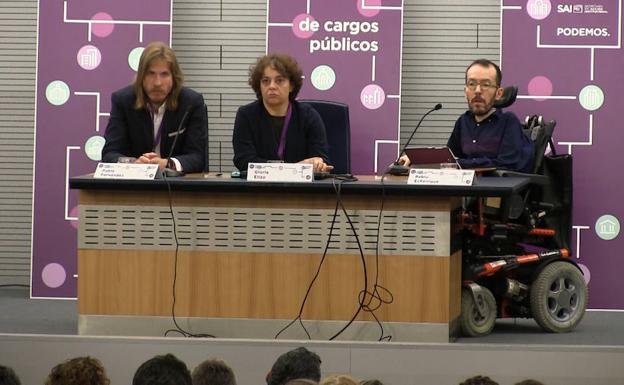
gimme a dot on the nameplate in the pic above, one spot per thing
(443, 177)
(280, 172)
(125, 171)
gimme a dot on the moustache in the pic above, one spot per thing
(478, 99)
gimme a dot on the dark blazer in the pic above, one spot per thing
(130, 132)
(253, 138)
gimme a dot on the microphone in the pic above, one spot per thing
(399, 169)
(169, 172)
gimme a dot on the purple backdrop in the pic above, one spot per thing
(353, 56)
(570, 70)
(79, 65)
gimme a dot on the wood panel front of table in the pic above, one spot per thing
(252, 256)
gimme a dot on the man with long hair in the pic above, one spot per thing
(157, 120)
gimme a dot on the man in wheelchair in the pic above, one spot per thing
(515, 257)
(485, 136)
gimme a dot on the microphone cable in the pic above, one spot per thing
(364, 294)
(377, 287)
(342, 178)
(338, 190)
(362, 306)
(178, 328)
(318, 272)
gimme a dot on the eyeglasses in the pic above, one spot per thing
(486, 84)
(279, 81)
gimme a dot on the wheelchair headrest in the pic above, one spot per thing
(540, 133)
(508, 98)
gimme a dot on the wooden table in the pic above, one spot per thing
(248, 252)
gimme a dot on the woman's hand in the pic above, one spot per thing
(318, 164)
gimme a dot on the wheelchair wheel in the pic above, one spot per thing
(559, 297)
(475, 323)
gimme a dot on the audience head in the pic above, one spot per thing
(340, 379)
(371, 382)
(479, 380)
(298, 363)
(78, 371)
(529, 382)
(213, 372)
(8, 376)
(162, 370)
(159, 77)
(301, 381)
(285, 65)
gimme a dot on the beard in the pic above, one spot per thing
(157, 95)
(479, 107)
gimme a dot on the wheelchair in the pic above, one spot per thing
(516, 254)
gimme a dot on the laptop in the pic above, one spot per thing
(430, 157)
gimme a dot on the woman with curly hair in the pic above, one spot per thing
(276, 127)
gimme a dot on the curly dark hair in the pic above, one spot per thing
(479, 380)
(282, 63)
(295, 364)
(78, 371)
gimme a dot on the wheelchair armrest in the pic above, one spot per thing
(535, 179)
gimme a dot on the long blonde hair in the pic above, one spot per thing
(152, 52)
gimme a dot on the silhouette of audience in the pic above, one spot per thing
(295, 367)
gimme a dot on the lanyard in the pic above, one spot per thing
(160, 127)
(282, 143)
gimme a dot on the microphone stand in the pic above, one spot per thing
(168, 172)
(401, 169)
